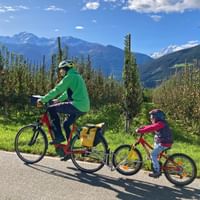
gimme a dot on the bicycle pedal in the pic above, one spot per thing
(60, 152)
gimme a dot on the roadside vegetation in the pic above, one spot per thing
(180, 98)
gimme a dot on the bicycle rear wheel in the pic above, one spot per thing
(31, 140)
(92, 159)
(180, 169)
(127, 161)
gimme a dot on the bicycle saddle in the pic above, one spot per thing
(100, 125)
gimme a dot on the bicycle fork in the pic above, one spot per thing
(34, 136)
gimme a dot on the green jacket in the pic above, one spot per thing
(72, 87)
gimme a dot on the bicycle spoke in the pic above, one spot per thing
(125, 161)
(94, 155)
(180, 169)
(30, 140)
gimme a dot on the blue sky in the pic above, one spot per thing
(153, 24)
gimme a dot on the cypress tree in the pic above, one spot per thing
(52, 71)
(132, 95)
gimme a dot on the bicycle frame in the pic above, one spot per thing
(66, 147)
(145, 145)
(163, 154)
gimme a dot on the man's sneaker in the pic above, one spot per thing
(155, 174)
(60, 151)
(56, 141)
(65, 158)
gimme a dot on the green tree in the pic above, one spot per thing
(52, 71)
(132, 95)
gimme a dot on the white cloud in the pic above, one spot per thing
(4, 9)
(79, 27)
(10, 8)
(56, 30)
(157, 6)
(91, 5)
(22, 7)
(173, 48)
(94, 21)
(54, 8)
(156, 18)
(115, 3)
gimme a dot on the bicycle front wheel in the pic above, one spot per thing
(93, 158)
(180, 169)
(127, 161)
(31, 144)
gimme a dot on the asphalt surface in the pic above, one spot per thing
(52, 179)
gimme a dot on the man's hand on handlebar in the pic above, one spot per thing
(55, 101)
(39, 103)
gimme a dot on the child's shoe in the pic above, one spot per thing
(155, 174)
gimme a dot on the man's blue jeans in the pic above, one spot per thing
(66, 108)
(154, 156)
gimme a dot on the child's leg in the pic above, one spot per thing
(154, 156)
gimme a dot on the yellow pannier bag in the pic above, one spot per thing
(87, 136)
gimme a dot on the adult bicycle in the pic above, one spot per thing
(31, 144)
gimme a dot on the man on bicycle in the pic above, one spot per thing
(71, 99)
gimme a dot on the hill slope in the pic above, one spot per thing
(163, 67)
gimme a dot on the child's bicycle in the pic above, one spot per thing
(178, 168)
(33, 139)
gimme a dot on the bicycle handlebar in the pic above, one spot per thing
(138, 135)
(34, 100)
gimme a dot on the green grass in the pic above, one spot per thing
(8, 131)
(184, 142)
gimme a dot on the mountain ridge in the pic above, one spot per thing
(154, 72)
(109, 58)
(174, 48)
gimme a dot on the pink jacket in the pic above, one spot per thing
(162, 133)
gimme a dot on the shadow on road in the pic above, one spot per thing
(134, 189)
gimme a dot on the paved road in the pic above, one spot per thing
(51, 179)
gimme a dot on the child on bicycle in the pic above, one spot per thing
(162, 140)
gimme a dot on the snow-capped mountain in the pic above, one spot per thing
(109, 58)
(26, 38)
(174, 48)
(162, 68)
(29, 38)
